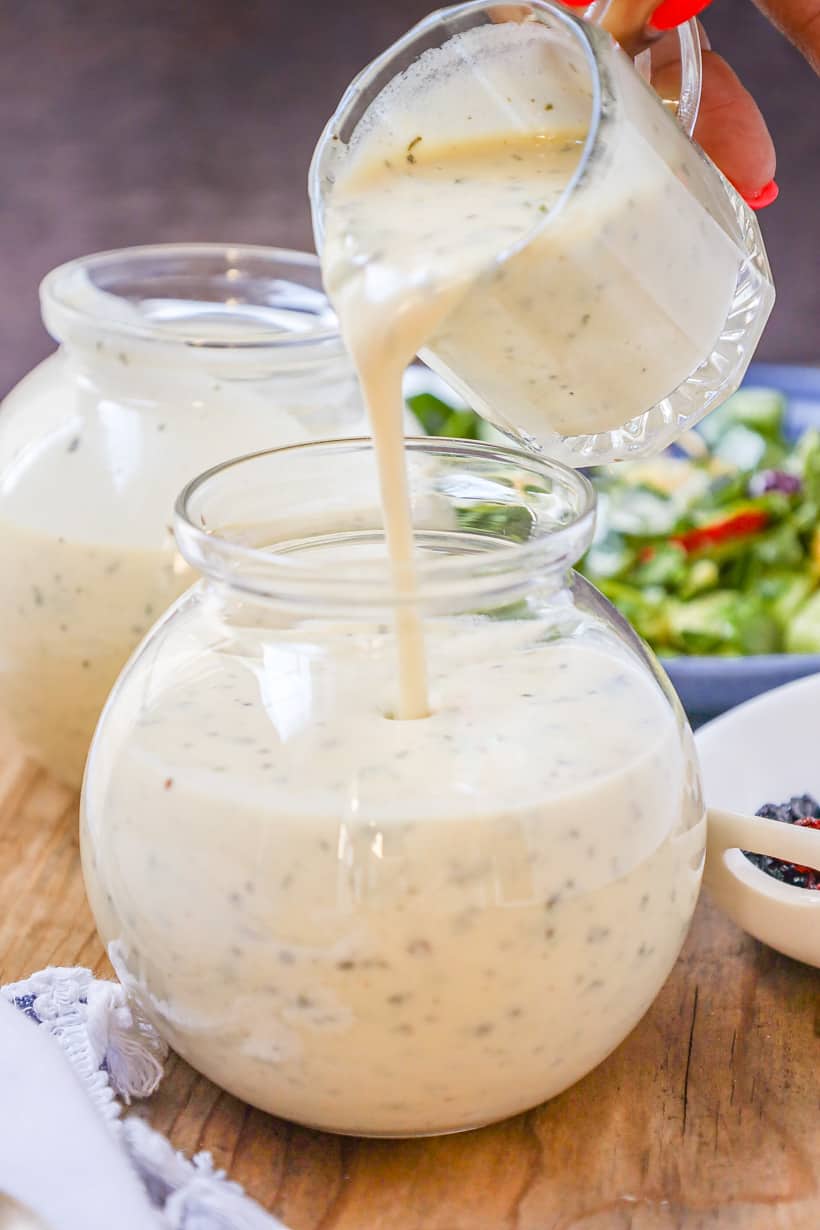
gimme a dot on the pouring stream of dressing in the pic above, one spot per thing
(406, 237)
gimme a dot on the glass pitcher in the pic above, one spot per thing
(613, 319)
(377, 926)
(170, 359)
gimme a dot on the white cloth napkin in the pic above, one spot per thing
(70, 1046)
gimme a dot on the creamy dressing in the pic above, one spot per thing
(72, 613)
(397, 218)
(560, 258)
(379, 926)
(560, 319)
(89, 559)
(387, 227)
(95, 445)
(468, 252)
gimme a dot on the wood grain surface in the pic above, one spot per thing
(706, 1117)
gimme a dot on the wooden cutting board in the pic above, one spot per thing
(708, 1116)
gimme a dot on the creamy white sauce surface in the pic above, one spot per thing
(382, 926)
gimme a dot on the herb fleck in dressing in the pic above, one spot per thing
(390, 927)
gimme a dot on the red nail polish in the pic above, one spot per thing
(577, 4)
(673, 13)
(767, 194)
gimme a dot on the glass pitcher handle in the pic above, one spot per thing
(690, 60)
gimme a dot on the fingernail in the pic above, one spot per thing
(759, 200)
(577, 4)
(673, 13)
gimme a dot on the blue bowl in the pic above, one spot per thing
(708, 686)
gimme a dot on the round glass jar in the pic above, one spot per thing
(376, 926)
(171, 359)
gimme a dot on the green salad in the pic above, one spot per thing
(713, 547)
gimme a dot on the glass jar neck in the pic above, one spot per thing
(302, 526)
(195, 311)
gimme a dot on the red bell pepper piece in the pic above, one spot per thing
(740, 525)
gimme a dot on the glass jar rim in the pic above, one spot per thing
(64, 311)
(224, 554)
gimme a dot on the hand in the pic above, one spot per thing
(730, 127)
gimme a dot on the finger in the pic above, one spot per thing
(671, 13)
(730, 127)
(634, 22)
(800, 22)
(732, 130)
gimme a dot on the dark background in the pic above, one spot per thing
(143, 121)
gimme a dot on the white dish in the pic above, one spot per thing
(764, 751)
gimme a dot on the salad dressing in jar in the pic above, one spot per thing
(171, 359)
(372, 925)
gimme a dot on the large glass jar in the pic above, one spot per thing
(379, 926)
(170, 360)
